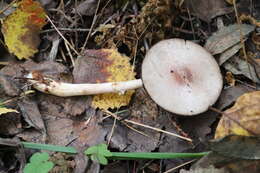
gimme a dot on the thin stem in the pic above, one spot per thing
(147, 155)
(116, 155)
(49, 147)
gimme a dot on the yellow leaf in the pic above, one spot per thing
(119, 69)
(4, 110)
(21, 28)
(246, 112)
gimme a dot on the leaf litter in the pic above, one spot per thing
(125, 31)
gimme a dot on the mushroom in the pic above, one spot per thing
(180, 76)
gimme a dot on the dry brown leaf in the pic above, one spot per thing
(229, 53)
(230, 94)
(246, 113)
(232, 165)
(105, 65)
(207, 9)
(239, 66)
(227, 37)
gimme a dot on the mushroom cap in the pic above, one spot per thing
(181, 77)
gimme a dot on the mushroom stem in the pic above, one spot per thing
(62, 89)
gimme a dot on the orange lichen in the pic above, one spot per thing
(118, 70)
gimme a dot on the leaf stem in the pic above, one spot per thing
(117, 155)
(49, 147)
(147, 155)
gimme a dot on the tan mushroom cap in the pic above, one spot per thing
(181, 77)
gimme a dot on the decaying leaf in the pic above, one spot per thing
(21, 28)
(230, 94)
(105, 65)
(231, 165)
(207, 9)
(229, 53)
(242, 147)
(239, 66)
(246, 113)
(227, 37)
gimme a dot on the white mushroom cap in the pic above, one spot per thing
(181, 76)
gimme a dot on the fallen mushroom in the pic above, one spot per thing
(180, 76)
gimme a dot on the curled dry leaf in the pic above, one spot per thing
(246, 113)
(20, 29)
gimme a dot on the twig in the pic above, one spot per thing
(183, 30)
(91, 28)
(70, 55)
(65, 29)
(7, 7)
(159, 130)
(241, 39)
(153, 128)
(126, 124)
(177, 167)
(62, 35)
(112, 131)
(192, 27)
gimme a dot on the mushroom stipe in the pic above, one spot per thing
(180, 76)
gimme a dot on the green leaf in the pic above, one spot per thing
(102, 149)
(46, 167)
(91, 150)
(94, 158)
(39, 163)
(98, 153)
(102, 160)
(39, 157)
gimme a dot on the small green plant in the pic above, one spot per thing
(99, 153)
(39, 163)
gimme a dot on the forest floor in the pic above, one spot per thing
(96, 41)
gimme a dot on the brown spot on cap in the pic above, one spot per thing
(182, 76)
